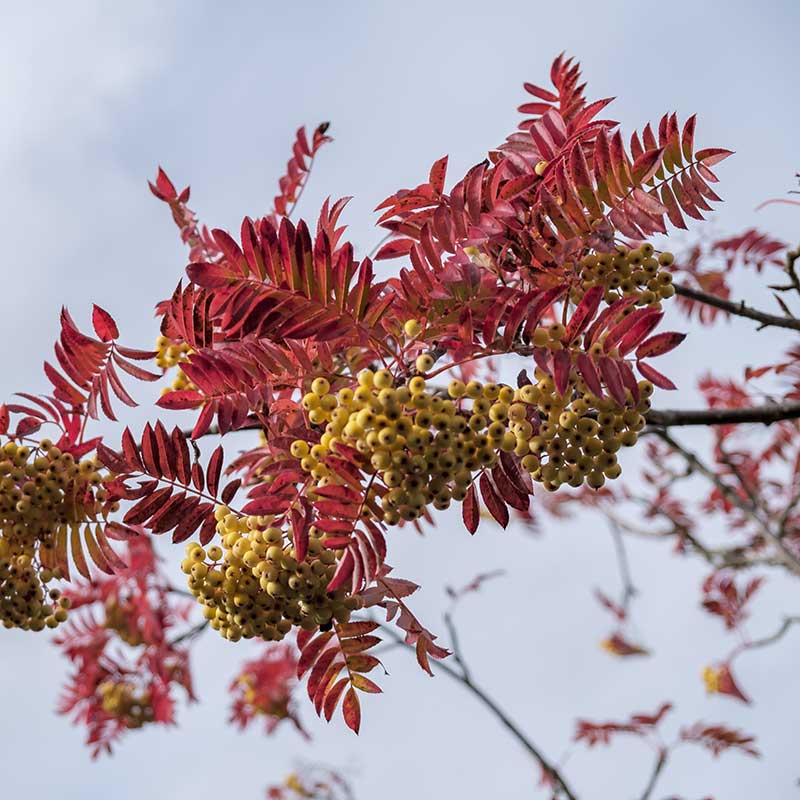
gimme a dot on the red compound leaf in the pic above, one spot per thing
(174, 500)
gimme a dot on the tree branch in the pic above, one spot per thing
(628, 589)
(787, 557)
(502, 717)
(192, 633)
(738, 309)
(661, 762)
(768, 640)
(766, 415)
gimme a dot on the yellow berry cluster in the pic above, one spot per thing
(426, 448)
(171, 354)
(25, 601)
(263, 703)
(44, 493)
(121, 618)
(122, 700)
(254, 586)
(423, 447)
(635, 273)
(573, 438)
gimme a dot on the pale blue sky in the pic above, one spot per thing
(93, 96)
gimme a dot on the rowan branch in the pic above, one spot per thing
(192, 633)
(738, 309)
(736, 557)
(628, 589)
(786, 556)
(766, 414)
(658, 767)
(768, 640)
(466, 681)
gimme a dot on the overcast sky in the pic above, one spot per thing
(93, 96)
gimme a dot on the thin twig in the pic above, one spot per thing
(501, 716)
(661, 762)
(739, 309)
(768, 640)
(628, 589)
(191, 633)
(454, 640)
(783, 552)
(787, 512)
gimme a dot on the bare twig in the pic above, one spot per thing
(789, 559)
(192, 633)
(628, 589)
(457, 675)
(765, 414)
(454, 641)
(787, 512)
(658, 767)
(768, 640)
(738, 309)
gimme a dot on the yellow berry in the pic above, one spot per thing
(412, 328)
(424, 362)
(320, 386)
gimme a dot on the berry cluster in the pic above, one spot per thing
(121, 700)
(259, 703)
(44, 494)
(573, 438)
(426, 448)
(635, 273)
(121, 617)
(423, 447)
(25, 601)
(172, 354)
(253, 586)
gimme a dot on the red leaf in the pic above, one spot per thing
(394, 249)
(542, 94)
(510, 493)
(561, 369)
(470, 511)
(264, 506)
(26, 426)
(213, 471)
(647, 164)
(659, 344)
(310, 652)
(343, 572)
(589, 372)
(639, 331)
(147, 506)
(437, 173)
(612, 378)
(654, 376)
(351, 710)
(104, 324)
(164, 189)
(361, 682)
(179, 400)
(4, 418)
(496, 506)
(332, 698)
(712, 156)
(350, 629)
(584, 313)
(209, 276)
(300, 527)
